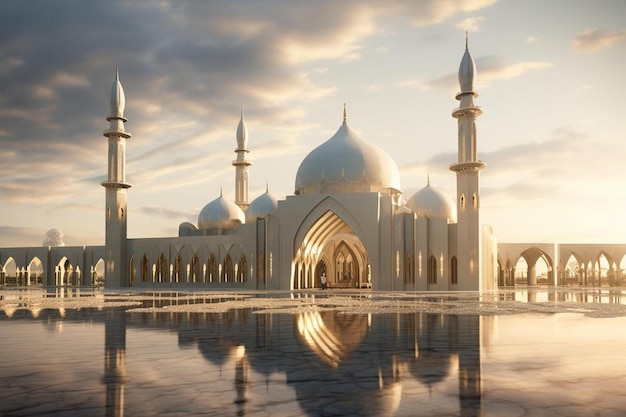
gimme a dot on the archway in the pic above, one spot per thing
(538, 272)
(9, 272)
(35, 272)
(98, 273)
(572, 273)
(330, 245)
(65, 273)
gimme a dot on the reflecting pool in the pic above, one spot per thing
(66, 353)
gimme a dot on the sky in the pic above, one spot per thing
(550, 76)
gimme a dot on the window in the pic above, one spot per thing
(454, 273)
(432, 270)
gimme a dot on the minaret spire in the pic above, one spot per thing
(115, 274)
(467, 171)
(241, 164)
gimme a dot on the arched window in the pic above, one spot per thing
(145, 274)
(131, 267)
(243, 269)
(211, 270)
(163, 269)
(454, 271)
(195, 268)
(432, 270)
(227, 269)
(177, 269)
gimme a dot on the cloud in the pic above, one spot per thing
(556, 168)
(532, 39)
(22, 236)
(471, 24)
(596, 39)
(165, 213)
(186, 66)
(429, 12)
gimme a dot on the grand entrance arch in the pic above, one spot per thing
(330, 245)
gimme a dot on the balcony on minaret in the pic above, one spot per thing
(468, 111)
(468, 166)
(115, 132)
(115, 184)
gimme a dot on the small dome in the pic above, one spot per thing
(345, 163)
(432, 204)
(220, 213)
(187, 229)
(261, 206)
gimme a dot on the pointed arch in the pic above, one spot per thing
(35, 272)
(131, 277)
(9, 272)
(228, 272)
(329, 212)
(146, 271)
(454, 271)
(320, 236)
(211, 269)
(432, 269)
(162, 269)
(346, 265)
(178, 269)
(242, 273)
(194, 269)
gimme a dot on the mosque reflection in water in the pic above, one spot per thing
(239, 362)
(337, 364)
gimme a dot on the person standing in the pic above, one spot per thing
(323, 280)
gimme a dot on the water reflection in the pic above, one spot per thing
(115, 377)
(318, 362)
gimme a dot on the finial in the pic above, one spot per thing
(466, 40)
(117, 71)
(267, 186)
(428, 179)
(345, 114)
(221, 191)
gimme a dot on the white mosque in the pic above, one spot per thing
(347, 218)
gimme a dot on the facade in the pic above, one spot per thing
(347, 218)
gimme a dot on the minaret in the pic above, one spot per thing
(241, 165)
(467, 179)
(115, 272)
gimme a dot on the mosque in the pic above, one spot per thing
(347, 219)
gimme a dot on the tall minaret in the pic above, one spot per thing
(467, 179)
(241, 165)
(115, 272)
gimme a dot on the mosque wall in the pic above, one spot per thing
(421, 253)
(437, 255)
(489, 254)
(217, 261)
(381, 232)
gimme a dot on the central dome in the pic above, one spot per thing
(345, 163)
